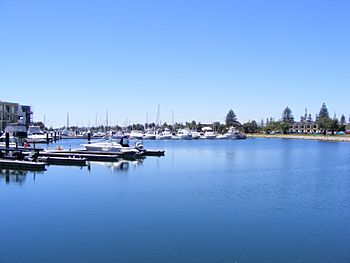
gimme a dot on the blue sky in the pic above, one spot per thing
(197, 58)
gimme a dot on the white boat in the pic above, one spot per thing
(150, 135)
(117, 135)
(136, 135)
(195, 134)
(35, 134)
(109, 147)
(164, 135)
(67, 134)
(99, 135)
(208, 133)
(231, 134)
(184, 134)
(12, 141)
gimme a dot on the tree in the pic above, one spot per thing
(309, 119)
(324, 121)
(287, 119)
(342, 123)
(323, 111)
(334, 125)
(262, 123)
(250, 127)
(231, 119)
(287, 116)
(40, 124)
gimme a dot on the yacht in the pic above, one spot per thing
(67, 134)
(208, 133)
(150, 135)
(184, 134)
(136, 135)
(195, 134)
(121, 146)
(231, 134)
(3, 141)
(164, 135)
(36, 135)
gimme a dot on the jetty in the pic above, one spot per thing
(70, 161)
(87, 156)
(22, 165)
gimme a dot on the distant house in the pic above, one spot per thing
(11, 112)
(347, 128)
(304, 127)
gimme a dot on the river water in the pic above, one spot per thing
(254, 200)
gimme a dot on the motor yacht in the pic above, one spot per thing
(164, 135)
(36, 135)
(136, 135)
(208, 133)
(184, 134)
(150, 135)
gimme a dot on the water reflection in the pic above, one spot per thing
(119, 166)
(16, 176)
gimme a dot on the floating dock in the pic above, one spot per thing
(22, 165)
(124, 155)
(87, 156)
(154, 153)
(129, 155)
(64, 161)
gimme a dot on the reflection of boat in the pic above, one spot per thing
(122, 165)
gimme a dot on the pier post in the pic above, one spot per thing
(47, 138)
(7, 141)
(89, 137)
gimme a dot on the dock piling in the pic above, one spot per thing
(7, 141)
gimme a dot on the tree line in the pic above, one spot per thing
(323, 119)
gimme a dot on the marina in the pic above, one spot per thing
(174, 131)
(231, 197)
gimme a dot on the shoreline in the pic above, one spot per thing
(325, 138)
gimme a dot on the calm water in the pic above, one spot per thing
(258, 200)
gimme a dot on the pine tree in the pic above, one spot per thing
(287, 119)
(324, 121)
(231, 119)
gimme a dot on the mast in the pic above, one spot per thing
(67, 120)
(172, 117)
(158, 117)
